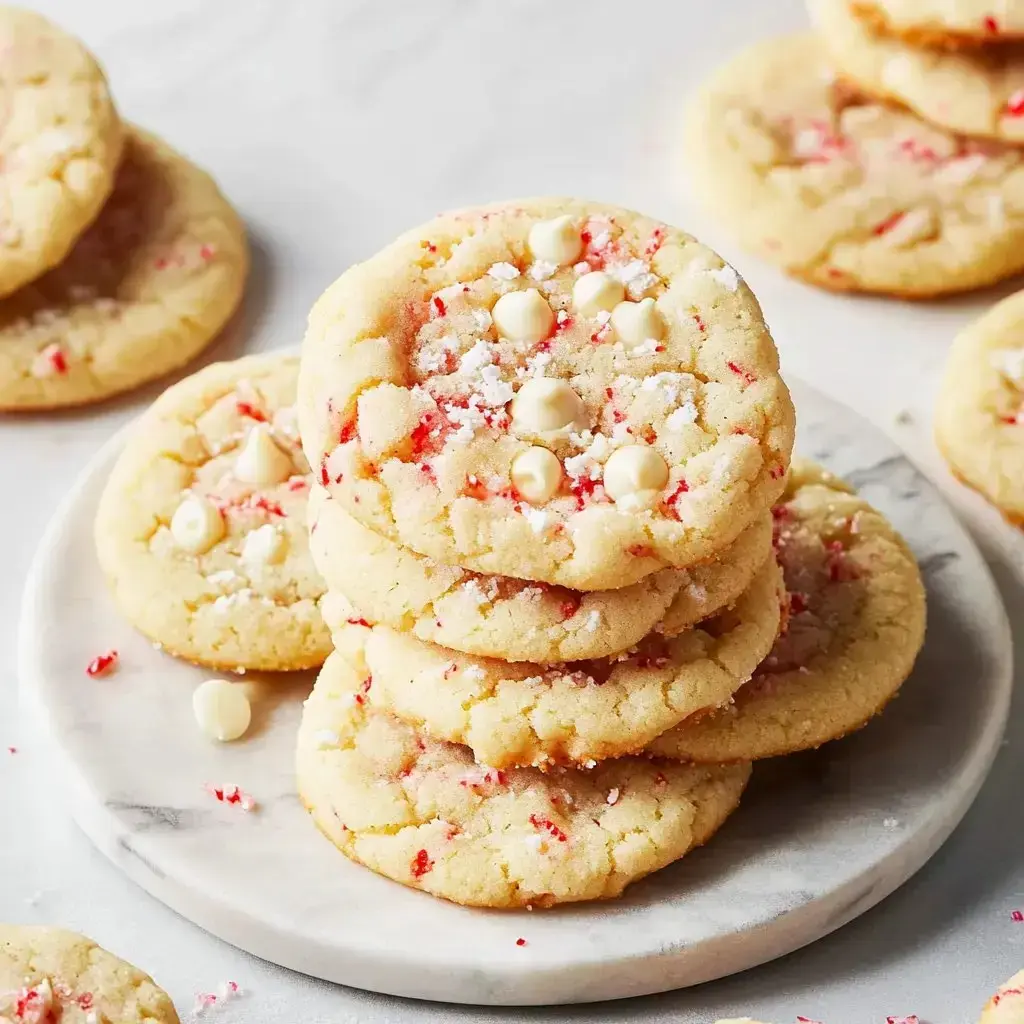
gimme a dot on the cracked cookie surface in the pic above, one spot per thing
(849, 193)
(855, 626)
(201, 529)
(48, 974)
(551, 390)
(145, 289)
(60, 141)
(580, 712)
(370, 577)
(944, 23)
(979, 414)
(974, 91)
(421, 812)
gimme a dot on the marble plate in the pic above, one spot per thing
(819, 838)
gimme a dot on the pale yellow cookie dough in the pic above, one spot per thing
(201, 529)
(548, 389)
(1007, 1005)
(51, 975)
(973, 91)
(424, 814)
(372, 578)
(846, 192)
(979, 415)
(855, 626)
(574, 713)
(944, 23)
(59, 147)
(145, 289)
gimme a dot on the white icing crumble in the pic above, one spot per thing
(538, 520)
(226, 602)
(476, 358)
(503, 272)
(451, 291)
(807, 142)
(590, 763)
(621, 434)
(483, 319)
(600, 448)
(536, 365)
(671, 383)
(593, 620)
(581, 439)
(325, 738)
(583, 267)
(494, 391)
(533, 680)
(645, 348)
(473, 672)
(223, 577)
(542, 270)
(613, 797)
(603, 317)
(696, 591)
(1010, 363)
(636, 276)
(726, 277)
(428, 361)
(583, 465)
(468, 420)
(681, 417)
(475, 592)
(532, 593)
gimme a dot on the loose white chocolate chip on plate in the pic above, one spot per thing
(265, 545)
(537, 474)
(197, 524)
(221, 709)
(544, 405)
(597, 291)
(557, 240)
(523, 316)
(636, 322)
(261, 461)
(634, 477)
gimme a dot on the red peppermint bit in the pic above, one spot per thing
(259, 503)
(206, 253)
(608, 392)
(781, 513)
(703, 327)
(1015, 104)
(161, 263)
(358, 622)
(648, 433)
(777, 472)
(569, 607)
(584, 489)
(671, 501)
(747, 376)
(421, 864)
(422, 442)
(203, 1001)
(520, 942)
(654, 242)
(450, 669)
(563, 324)
(250, 410)
(429, 246)
(102, 664)
(439, 307)
(1011, 420)
(586, 237)
(1000, 996)
(297, 483)
(85, 1001)
(547, 825)
(797, 603)
(12, 750)
(888, 224)
(651, 661)
(991, 25)
(601, 334)
(918, 150)
(807, 1020)
(475, 488)
(834, 273)
(231, 795)
(1017, 916)
(912, 1019)
(324, 477)
(56, 358)
(428, 472)
(618, 416)
(640, 550)
(348, 430)
(839, 568)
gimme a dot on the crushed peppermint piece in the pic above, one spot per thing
(50, 361)
(1016, 916)
(231, 795)
(494, 391)
(503, 272)
(520, 941)
(681, 417)
(476, 358)
(543, 270)
(102, 664)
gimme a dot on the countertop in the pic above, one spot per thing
(335, 125)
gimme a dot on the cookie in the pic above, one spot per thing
(855, 626)
(423, 813)
(201, 529)
(551, 390)
(143, 291)
(977, 92)
(60, 145)
(1007, 1005)
(845, 192)
(944, 23)
(47, 974)
(501, 617)
(979, 414)
(575, 713)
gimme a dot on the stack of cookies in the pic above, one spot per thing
(546, 438)
(880, 154)
(119, 259)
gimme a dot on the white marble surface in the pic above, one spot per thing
(817, 841)
(334, 124)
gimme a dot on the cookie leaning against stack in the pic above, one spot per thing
(547, 436)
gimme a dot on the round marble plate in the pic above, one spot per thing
(819, 839)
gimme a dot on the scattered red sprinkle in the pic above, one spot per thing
(584, 489)
(1015, 104)
(601, 334)
(520, 942)
(250, 410)
(324, 478)
(889, 223)
(834, 273)
(57, 359)
(797, 603)
(547, 825)
(640, 550)
(439, 307)
(776, 472)
(655, 241)
(161, 263)
(358, 622)
(569, 607)
(206, 253)
(259, 503)
(747, 376)
(421, 864)
(85, 1001)
(348, 430)
(807, 1020)
(429, 246)
(298, 483)
(671, 501)
(450, 669)
(475, 488)
(360, 698)
(12, 750)
(991, 25)
(918, 150)
(839, 568)
(912, 1019)
(231, 795)
(428, 472)
(700, 322)
(1000, 996)
(608, 392)
(1017, 916)
(563, 324)
(102, 664)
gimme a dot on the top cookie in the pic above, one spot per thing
(977, 92)
(47, 974)
(846, 192)
(1007, 1005)
(552, 390)
(60, 144)
(947, 23)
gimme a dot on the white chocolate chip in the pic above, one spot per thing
(597, 291)
(265, 545)
(546, 404)
(221, 709)
(537, 474)
(523, 316)
(638, 322)
(557, 241)
(634, 476)
(197, 524)
(261, 461)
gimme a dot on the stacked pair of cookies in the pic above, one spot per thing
(119, 259)
(547, 438)
(879, 154)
